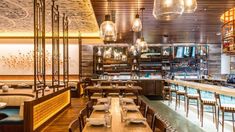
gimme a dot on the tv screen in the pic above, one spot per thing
(179, 52)
(193, 52)
(186, 51)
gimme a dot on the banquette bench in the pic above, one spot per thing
(11, 117)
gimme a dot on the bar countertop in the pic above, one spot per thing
(206, 87)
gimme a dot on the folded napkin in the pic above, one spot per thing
(96, 121)
(131, 108)
(103, 100)
(101, 107)
(135, 120)
(127, 100)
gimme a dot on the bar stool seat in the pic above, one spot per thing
(228, 107)
(180, 92)
(193, 96)
(208, 101)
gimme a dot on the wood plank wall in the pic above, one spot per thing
(214, 60)
(87, 61)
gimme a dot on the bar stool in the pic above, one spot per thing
(166, 91)
(192, 94)
(180, 91)
(172, 90)
(226, 104)
(208, 99)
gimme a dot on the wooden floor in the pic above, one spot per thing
(61, 123)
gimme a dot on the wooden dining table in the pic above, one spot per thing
(117, 124)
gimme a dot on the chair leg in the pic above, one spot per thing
(176, 101)
(187, 107)
(185, 103)
(179, 100)
(202, 110)
(216, 118)
(198, 109)
(222, 120)
(213, 112)
(233, 122)
(218, 121)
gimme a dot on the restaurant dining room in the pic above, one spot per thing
(117, 65)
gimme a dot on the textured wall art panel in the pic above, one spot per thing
(17, 59)
(16, 17)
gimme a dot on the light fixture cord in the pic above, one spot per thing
(137, 6)
(142, 34)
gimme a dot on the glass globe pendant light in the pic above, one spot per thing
(190, 6)
(142, 45)
(137, 24)
(108, 30)
(168, 9)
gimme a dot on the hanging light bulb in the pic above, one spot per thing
(137, 24)
(108, 30)
(190, 6)
(142, 45)
(168, 9)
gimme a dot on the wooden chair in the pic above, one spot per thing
(172, 90)
(192, 94)
(150, 113)
(143, 107)
(208, 99)
(158, 125)
(226, 104)
(89, 107)
(166, 92)
(82, 117)
(180, 91)
(75, 126)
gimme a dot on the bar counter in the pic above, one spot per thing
(205, 87)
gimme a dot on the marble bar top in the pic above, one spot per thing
(205, 87)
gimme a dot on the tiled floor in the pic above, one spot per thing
(209, 126)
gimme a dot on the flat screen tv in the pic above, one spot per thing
(193, 52)
(179, 52)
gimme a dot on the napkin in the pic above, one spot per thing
(96, 121)
(136, 120)
(103, 100)
(131, 108)
(101, 107)
(127, 100)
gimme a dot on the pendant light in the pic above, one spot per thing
(168, 9)
(137, 24)
(190, 6)
(108, 30)
(142, 45)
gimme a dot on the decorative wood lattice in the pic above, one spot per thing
(66, 51)
(55, 47)
(45, 110)
(39, 45)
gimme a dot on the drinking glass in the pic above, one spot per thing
(108, 119)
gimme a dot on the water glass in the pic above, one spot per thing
(108, 119)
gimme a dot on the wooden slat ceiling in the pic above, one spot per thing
(198, 27)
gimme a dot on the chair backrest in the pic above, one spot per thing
(150, 116)
(143, 107)
(89, 107)
(75, 126)
(223, 100)
(158, 125)
(207, 95)
(82, 117)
